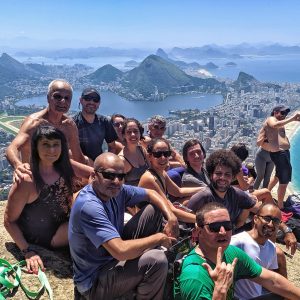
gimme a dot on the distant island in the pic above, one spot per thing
(231, 64)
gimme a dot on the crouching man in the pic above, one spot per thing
(212, 268)
(110, 260)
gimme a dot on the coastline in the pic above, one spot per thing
(291, 130)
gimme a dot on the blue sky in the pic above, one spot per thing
(147, 24)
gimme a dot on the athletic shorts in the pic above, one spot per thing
(283, 166)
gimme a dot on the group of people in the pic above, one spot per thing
(68, 192)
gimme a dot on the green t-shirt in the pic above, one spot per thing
(194, 281)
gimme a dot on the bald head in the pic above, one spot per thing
(108, 160)
(59, 84)
(268, 207)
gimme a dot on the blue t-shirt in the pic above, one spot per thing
(94, 222)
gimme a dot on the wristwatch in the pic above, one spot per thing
(287, 229)
(27, 250)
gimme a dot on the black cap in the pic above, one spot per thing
(88, 91)
(281, 107)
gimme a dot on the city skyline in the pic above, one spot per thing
(125, 24)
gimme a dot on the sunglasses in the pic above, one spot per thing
(59, 97)
(118, 124)
(283, 113)
(157, 127)
(91, 98)
(159, 154)
(111, 175)
(268, 219)
(216, 226)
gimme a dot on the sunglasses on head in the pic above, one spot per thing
(268, 219)
(216, 226)
(157, 127)
(111, 175)
(59, 97)
(118, 124)
(91, 98)
(159, 154)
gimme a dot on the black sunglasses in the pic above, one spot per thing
(111, 175)
(216, 226)
(268, 219)
(59, 97)
(118, 124)
(159, 127)
(91, 98)
(284, 113)
(159, 154)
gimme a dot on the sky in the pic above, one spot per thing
(147, 24)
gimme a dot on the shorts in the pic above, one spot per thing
(283, 166)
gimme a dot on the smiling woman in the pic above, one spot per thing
(39, 205)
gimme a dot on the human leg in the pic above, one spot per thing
(282, 269)
(144, 223)
(260, 167)
(268, 172)
(145, 276)
(60, 238)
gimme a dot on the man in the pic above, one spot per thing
(222, 166)
(257, 245)
(157, 127)
(211, 269)
(105, 265)
(93, 128)
(59, 98)
(273, 139)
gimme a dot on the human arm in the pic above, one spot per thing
(131, 249)
(277, 284)
(81, 170)
(115, 147)
(222, 276)
(274, 123)
(17, 199)
(289, 238)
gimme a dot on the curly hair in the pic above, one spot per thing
(240, 150)
(139, 125)
(225, 158)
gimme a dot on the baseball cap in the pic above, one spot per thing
(88, 91)
(281, 107)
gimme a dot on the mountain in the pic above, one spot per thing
(107, 73)
(11, 69)
(157, 75)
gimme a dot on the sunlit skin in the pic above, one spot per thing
(60, 97)
(211, 241)
(195, 157)
(49, 150)
(89, 107)
(119, 128)
(162, 162)
(221, 179)
(132, 133)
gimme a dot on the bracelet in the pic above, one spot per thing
(27, 250)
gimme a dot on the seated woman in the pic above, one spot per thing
(246, 176)
(156, 178)
(133, 154)
(118, 123)
(194, 154)
(38, 206)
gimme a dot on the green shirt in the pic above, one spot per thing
(194, 281)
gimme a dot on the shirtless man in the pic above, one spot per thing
(59, 100)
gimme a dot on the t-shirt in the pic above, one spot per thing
(92, 135)
(264, 255)
(94, 222)
(192, 179)
(195, 283)
(235, 200)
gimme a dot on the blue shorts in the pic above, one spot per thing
(283, 166)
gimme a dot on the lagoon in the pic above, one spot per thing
(141, 110)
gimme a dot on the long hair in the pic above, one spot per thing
(139, 125)
(62, 165)
(188, 144)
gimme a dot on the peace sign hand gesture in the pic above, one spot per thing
(222, 275)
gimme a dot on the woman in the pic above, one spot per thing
(156, 178)
(118, 123)
(194, 155)
(133, 154)
(39, 205)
